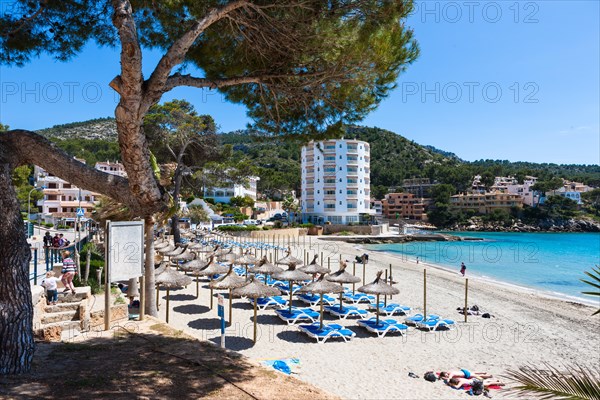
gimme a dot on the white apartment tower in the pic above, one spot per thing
(335, 181)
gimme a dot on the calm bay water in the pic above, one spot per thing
(552, 262)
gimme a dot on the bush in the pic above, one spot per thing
(63, 227)
(235, 228)
(307, 225)
(48, 224)
(210, 200)
(267, 228)
(190, 199)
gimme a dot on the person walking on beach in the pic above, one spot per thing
(463, 268)
(68, 271)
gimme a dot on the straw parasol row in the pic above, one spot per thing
(322, 286)
(341, 276)
(378, 287)
(291, 275)
(171, 279)
(254, 290)
(229, 281)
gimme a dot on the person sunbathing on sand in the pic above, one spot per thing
(460, 383)
(463, 373)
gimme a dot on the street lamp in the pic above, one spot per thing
(29, 205)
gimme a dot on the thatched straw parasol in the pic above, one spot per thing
(175, 252)
(314, 268)
(341, 276)
(322, 286)
(185, 256)
(291, 275)
(194, 267)
(254, 290)
(210, 270)
(246, 260)
(378, 287)
(166, 249)
(161, 244)
(265, 267)
(229, 281)
(289, 259)
(171, 279)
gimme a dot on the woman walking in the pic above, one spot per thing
(68, 271)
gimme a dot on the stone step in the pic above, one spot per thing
(81, 293)
(65, 325)
(61, 316)
(61, 307)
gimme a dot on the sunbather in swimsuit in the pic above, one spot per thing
(463, 373)
(460, 383)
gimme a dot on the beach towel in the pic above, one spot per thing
(285, 365)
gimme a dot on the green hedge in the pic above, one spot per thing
(235, 228)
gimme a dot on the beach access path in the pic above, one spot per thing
(528, 328)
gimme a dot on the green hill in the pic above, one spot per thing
(277, 162)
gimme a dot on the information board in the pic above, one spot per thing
(125, 250)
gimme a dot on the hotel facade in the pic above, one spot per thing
(336, 182)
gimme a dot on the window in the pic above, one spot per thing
(66, 186)
(331, 191)
(340, 203)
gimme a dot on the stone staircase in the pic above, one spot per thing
(68, 318)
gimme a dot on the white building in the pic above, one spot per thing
(530, 197)
(113, 168)
(224, 194)
(62, 199)
(335, 181)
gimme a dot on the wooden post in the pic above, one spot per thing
(197, 286)
(255, 302)
(157, 297)
(385, 296)
(167, 310)
(142, 298)
(354, 274)
(364, 271)
(321, 258)
(424, 293)
(211, 293)
(466, 298)
(390, 279)
(328, 263)
(230, 307)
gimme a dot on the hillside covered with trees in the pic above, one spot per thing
(277, 161)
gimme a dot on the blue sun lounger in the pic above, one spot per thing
(328, 331)
(315, 299)
(384, 327)
(390, 309)
(346, 311)
(273, 301)
(434, 324)
(297, 314)
(358, 297)
(285, 287)
(414, 319)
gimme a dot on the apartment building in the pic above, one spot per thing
(225, 193)
(485, 203)
(403, 205)
(336, 181)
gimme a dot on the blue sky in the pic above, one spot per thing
(516, 80)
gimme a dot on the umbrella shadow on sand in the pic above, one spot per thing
(235, 343)
(205, 324)
(242, 305)
(182, 297)
(293, 335)
(266, 319)
(191, 309)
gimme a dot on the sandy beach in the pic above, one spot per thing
(528, 328)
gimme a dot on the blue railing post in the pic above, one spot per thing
(47, 258)
(35, 266)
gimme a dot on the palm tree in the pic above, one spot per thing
(595, 275)
(576, 382)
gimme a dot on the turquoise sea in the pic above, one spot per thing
(552, 262)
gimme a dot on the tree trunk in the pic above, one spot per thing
(175, 217)
(175, 228)
(16, 308)
(149, 288)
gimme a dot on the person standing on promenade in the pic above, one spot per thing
(47, 244)
(463, 268)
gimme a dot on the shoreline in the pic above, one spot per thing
(527, 328)
(494, 281)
